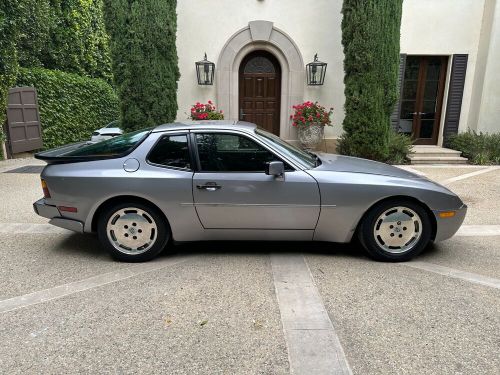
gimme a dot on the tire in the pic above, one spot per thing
(395, 231)
(133, 232)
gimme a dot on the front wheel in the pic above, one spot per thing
(395, 231)
(133, 232)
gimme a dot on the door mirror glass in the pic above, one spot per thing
(275, 168)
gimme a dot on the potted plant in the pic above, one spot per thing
(200, 111)
(310, 119)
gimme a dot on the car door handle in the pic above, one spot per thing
(210, 186)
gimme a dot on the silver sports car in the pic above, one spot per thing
(226, 180)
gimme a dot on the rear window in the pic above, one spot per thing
(112, 147)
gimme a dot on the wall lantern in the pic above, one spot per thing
(205, 71)
(315, 72)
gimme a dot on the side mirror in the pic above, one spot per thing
(275, 168)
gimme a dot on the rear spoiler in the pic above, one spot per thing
(59, 155)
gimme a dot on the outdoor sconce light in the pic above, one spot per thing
(205, 71)
(315, 72)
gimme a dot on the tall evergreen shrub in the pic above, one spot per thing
(144, 59)
(370, 36)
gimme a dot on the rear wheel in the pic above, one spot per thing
(395, 230)
(133, 232)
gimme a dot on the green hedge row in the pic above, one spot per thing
(71, 106)
(67, 35)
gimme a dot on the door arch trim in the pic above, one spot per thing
(261, 35)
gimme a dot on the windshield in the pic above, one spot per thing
(113, 146)
(289, 150)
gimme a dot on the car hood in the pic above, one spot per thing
(339, 163)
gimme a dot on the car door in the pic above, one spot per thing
(232, 191)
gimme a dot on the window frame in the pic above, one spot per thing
(237, 133)
(192, 160)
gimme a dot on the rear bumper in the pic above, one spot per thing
(447, 227)
(52, 213)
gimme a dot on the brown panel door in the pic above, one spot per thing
(422, 98)
(23, 120)
(260, 90)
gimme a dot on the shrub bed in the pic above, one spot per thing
(71, 106)
(479, 148)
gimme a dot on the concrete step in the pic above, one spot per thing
(435, 151)
(420, 159)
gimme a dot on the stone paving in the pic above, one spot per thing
(226, 308)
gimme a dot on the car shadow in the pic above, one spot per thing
(88, 246)
(246, 248)
(81, 245)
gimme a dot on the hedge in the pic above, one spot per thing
(479, 148)
(8, 57)
(71, 106)
(67, 35)
(370, 36)
(144, 56)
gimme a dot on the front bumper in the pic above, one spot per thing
(52, 213)
(447, 227)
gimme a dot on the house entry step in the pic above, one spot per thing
(435, 155)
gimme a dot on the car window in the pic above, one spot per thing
(112, 147)
(171, 151)
(219, 152)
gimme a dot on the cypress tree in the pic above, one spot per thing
(144, 59)
(370, 36)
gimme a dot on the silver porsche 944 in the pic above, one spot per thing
(227, 180)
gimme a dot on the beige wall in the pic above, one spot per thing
(429, 27)
(488, 119)
(206, 25)
(445, 27)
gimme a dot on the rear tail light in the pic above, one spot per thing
(46, 192)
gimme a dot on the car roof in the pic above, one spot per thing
(208, 124)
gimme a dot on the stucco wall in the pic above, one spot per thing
(444, 27)
(429, 27)
(206, 25)
(489, 109)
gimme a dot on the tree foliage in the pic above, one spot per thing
(8, 56)
(67, 35)
(144, 59)
(71, 106)
(370, 36)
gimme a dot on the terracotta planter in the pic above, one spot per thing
(311, 136)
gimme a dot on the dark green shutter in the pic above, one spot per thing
(397, 108)
(455, 95)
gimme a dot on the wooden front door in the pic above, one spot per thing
(260, 90)
(422, 99)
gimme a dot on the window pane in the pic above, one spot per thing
(171, 151)
(112, 147)
(231, 153)
(407, 109)
(412, 67)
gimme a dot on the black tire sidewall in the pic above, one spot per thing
(162, 237)
(368, 240)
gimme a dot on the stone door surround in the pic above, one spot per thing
(261, 35)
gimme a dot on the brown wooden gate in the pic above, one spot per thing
(24, 132)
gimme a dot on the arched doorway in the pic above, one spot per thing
(260, 90)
